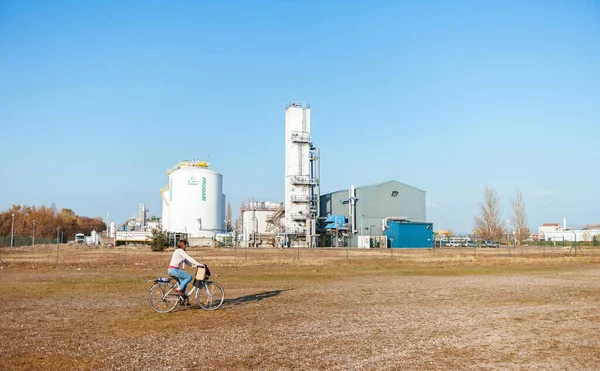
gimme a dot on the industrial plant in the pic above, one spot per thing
(561, 233)
(388, 214)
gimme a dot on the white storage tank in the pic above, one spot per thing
(165, 208)
(193, 200)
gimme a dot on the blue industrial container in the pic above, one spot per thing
(335, 221)
(406, 234)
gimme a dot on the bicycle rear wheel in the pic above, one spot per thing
(159, 301)
(210, 296)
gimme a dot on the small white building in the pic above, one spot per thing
(556, 232)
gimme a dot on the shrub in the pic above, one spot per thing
(160, 240)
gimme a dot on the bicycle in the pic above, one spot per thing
(162, 297)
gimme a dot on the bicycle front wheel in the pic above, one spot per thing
(159, 301)
(210, 296)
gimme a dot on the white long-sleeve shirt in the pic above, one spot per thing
(180, 258)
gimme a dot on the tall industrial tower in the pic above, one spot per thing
(301, 176)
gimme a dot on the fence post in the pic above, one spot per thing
(57, 254)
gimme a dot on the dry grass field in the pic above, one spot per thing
(304, 309)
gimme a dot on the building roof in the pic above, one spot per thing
(373, 185)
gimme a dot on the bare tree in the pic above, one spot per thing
(487, 223)
(518, 219)
(238, 221)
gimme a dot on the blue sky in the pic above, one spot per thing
(99, 98)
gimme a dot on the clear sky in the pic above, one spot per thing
(98, 99)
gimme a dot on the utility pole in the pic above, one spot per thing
(57, 231)
(12, 231)
(33, 237)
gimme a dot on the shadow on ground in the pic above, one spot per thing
(242, 300)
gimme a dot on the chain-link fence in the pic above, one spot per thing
(478, 252)
(5, 241)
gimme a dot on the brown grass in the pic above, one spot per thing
(307, 309)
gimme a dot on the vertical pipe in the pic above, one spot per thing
(308, 232)
(318, 190)
(12, 231)
(254, 223)
(352, 209)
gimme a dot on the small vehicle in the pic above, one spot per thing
(469, 244)
(490, 244)
(453, 244)
(79, 239)
(162, 297)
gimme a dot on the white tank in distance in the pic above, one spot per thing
(165, 209)
(194, 200)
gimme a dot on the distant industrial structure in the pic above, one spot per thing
(378, 215)
(370, 216)
(262, 222)
(556, 232)
(366, 208)
(370, 211)
(302, 168)
(138, 229)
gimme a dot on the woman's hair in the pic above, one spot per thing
(184, 242)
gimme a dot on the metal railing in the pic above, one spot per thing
(297, 231)
(302, 198)
(304, 179)
(301, 136)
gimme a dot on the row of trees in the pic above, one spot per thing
(45, 221)
(488, 223)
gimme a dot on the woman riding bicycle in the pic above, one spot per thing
(179, 259)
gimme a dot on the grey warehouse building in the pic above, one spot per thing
(374, 203)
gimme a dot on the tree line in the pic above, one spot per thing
(45, 221)
(488, 224)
